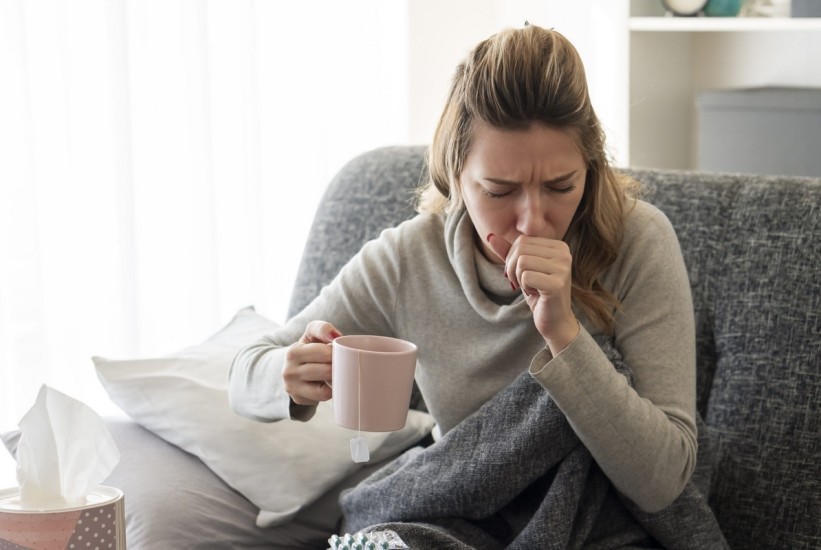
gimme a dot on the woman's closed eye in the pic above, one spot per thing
(494, 195)
(562, 189)
(554, 188)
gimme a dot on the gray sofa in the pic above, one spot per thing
(752, 246)
(752, 249)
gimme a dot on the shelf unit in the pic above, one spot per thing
(724, 24)
(668, 61)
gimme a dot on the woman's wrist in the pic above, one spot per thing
(563, 337)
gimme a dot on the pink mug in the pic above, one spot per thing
(372, 382)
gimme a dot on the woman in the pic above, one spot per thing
(527, 246)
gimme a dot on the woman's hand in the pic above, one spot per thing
(542, 269)
(307, 371)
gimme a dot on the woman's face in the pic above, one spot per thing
(522, 182)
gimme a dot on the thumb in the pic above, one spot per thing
(499, 245)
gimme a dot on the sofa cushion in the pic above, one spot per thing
(765, 405)
(372, 192)
(751, 248)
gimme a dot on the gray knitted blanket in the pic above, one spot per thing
(515, 475)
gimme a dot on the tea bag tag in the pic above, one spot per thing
(359, 450)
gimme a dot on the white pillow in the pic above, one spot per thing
(281, 466)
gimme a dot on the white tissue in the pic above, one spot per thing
(65, 450)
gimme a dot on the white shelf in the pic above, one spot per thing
(648, 71)
(724, 24)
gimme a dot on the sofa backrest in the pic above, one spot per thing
(372, 192)
(751, 245)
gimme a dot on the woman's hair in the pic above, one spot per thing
(511, 80)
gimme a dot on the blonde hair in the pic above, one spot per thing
(511, 80)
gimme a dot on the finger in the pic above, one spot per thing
(526, 268)
(311, 393)
(300, 353)
(308, 372)
(304, 382)
(306, 363)
(543, 275)
(535, 283)
(522, 246)
(320, 331)
(535, 254)
(499, 245)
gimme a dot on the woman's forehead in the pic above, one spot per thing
(510, 150)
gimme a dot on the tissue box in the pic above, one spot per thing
(99, 524)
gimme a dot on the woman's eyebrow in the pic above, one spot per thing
(500, 181)
(557, 179)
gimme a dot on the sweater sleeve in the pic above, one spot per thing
(643, 437)
(361, 299)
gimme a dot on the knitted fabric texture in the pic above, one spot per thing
(514, 475)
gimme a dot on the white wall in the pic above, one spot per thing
(441, 33)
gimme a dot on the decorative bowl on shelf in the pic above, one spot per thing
(684, 7)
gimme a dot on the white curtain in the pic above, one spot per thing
(160, 161)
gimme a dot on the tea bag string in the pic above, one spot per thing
(359, 446)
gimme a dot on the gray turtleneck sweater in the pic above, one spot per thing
(426, 281)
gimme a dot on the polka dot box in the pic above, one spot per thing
(99, 525)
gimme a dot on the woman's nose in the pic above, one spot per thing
(531, 216)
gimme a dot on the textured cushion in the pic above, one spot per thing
(372, 192)
(752, 253)
(281, 467)
(766, 399)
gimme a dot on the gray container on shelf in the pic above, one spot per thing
(760, 131)
(805, 8)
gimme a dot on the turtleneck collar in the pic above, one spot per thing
(483, 282)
